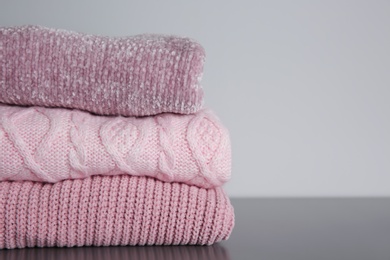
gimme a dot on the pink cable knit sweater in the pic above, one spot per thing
(111, 210)
(130, 76)
(52, 144)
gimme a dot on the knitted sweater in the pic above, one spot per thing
(130, 76)
(72, 178)
(50, 145)
(111, 210)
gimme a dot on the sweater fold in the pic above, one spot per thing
(50, 145)
(111, 210)
(139, 75)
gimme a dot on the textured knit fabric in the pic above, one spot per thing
(53, 144)
(111, 210)
(130, 76)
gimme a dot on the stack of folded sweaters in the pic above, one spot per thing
(104, 141)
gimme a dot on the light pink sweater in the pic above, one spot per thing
(111, 210)
(131, 76)
(52, 144)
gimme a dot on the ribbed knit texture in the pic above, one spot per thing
(53, 144)
(111, 210)
(132, 76)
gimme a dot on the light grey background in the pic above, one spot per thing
(303, 86)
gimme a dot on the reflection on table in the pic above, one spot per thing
(216, 251)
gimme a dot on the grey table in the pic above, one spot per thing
(268, 229)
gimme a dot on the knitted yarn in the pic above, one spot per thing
(53, 144)
(131, 76)
(111, 210)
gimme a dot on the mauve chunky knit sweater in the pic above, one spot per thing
(72, 178)
(131, 76)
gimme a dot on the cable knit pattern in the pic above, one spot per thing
(50, 145)
(111, 210)
(131, 76)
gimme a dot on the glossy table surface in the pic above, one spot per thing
(268, 229)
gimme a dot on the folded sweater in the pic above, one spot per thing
(111, 210)
(53, 144)
(131, 76)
